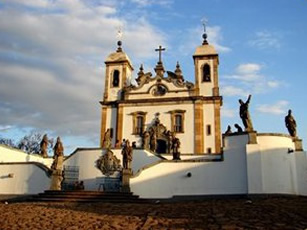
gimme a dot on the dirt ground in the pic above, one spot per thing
(269, 213)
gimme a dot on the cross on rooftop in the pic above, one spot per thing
(160, 53)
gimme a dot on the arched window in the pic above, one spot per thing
(139, 125)
(178, 123)
(206, 73)
(115, 80)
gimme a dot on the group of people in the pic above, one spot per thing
(247, 122)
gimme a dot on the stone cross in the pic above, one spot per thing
(160, 53)
(119, 34)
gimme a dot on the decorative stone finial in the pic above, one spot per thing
(119, 48)
(141, 72)
(119, 43)
(204, 22)
(178, 71)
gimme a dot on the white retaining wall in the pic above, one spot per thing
(273, 169)
(86, 159)
(27, 178)
(262, 168)
(8, 154)
(168, 179)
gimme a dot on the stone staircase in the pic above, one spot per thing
(86, 196)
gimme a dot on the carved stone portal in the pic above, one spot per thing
(108, 163)
(157, 138)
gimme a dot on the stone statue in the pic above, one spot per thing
(228, 131)
(244, 114)
(44, 146)
(107, 140)
(57, 166)
(127, 153)
(290, 123)
(58, 152)
(146, 140)
(239, 129)
(153, 141)
(175, 148)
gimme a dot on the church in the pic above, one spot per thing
(190, 111)
(174, 127)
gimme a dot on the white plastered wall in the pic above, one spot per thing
(186, 138)
(111, 122)
(88, 172)
(26, 179)
(208, 113)
(8, 154)
(168, 179)
(272, 169)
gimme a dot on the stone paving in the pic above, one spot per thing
(269, 213)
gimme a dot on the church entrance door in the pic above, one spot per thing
(161, 146)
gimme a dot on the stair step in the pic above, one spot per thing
(88, 197)
(85, 196)
(89, 200)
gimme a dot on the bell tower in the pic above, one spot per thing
(207, 108)
(118, 70)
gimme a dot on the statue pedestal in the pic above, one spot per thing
(126, 174)
(57, 175)
(56, 180)
(298, 144)
(252, 137)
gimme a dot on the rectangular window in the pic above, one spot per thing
(139, 125)
(178, 124)
(209, 150)
(208, 130)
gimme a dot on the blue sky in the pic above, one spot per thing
(52, 58)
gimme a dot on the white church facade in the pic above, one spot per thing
(151, 114)
(189, 111)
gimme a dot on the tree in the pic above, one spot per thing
(8, 142)
(31, 143)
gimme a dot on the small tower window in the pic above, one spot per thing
(208, 130)
(115, 80)
(206, 73)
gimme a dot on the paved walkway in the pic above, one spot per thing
(271, 213)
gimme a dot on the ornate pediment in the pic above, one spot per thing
(159, 85)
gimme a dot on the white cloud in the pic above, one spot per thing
(278, 108)
(4, 128)
(265, 40)
(248, 68)
(52, 72)
(192, 38)
(249, 78)
(229, 90)
(215, 38)
(145, 3)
